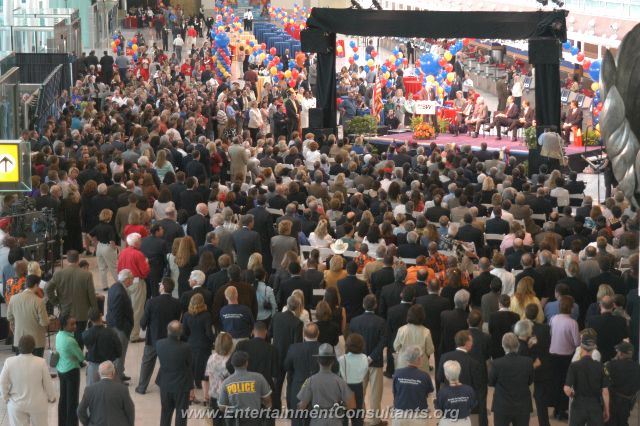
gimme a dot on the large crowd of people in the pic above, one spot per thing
(263, 267)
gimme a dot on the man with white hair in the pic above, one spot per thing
(172, 228)
(107, 401)
(132, 259)
(196, 282)
(511, 375)
(455, 399)
(411, 388)
(198, 225)
(120, 314)
(103, 200)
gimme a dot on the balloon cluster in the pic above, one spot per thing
(221, 55)
(593, 68)
(293, 22)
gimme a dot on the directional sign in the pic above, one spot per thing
(9, 164)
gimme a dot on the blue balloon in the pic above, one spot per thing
(270, 57)
(251, 44)
(594, 70)
(352, 44)
(266, 62)
(366, 68)
(275, 79)
(356, 56)
(367, 57)
(292, 64)
(384, 68)
(574, 51)
(389, 84)
(135, 57)
(130, 43)
(398, 62)
(566, 45)
(396, 50)
(114, 37)
(279, 66)
(222, 39)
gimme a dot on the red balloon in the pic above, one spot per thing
(465, 41)
(263, 46)
(580, 56)
(273, 50)
(442, 62)
(586, 64)
(134, 40)
(117, 41)
(294, 73)
(355, 49)
(351, 60)
(292, 83)
(383, 81)
(405, 61)
(374, 54)
(448, 67)
(276, 59)
(339, 101)
(280, 75)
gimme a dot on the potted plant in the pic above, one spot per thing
(362, 125)
(421, 129)
(592, 137)
(530, 137)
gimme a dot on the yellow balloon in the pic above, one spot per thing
(392, 58)
(220, 28)
(400, 55)
(291, 21)
(598, 127)
(447, 55)
(302, 26)
(370, 62)
(134, 47)
(451, 76)
(387, 75)
(595, 86)
(274, 70)
(287, 74)
(262, 56)
(440, 91)
(339, 49)
(431, 79)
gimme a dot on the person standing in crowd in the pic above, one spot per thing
(154, 247)
(587, 385)
(178, 43)
(216, 372)
(354, 366)
(68, 368)
(414, 333)
(455, 397)
(197, 326)
(103, 344)
(299, 365)
(106, 254)
(411, 389)
(159, 311)
(396, 318)
(120, 315)
(27, 315)
(71, 288)
(235, 319)
(511, 376)
(26, 385)
(134, 260)
(107, 401)
(175, 377)
(624, 384)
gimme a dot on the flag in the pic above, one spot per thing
(377, 99)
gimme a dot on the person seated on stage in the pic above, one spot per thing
(478, 117)
(527, 119)
(392, 121)
(573, 118)
(505, 118)
(459, 103)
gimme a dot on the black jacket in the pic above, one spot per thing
(471, 373)
(352, 293)
(197, 228)
(189, 199)
(158, 313)
(106, 402)
(177, 188)
(296, 282)
(511, 376)
(172, 230)
(381, 278)
(119, 309)
(102, 344)
(175, 374)
(478, 287)
(245, 243)
(263, 358)
(451, 322)
(197, 330)
(611, 330)
(375, 333)
(481, 350)
(206, 294)
(285, 329)
(389, 296)
(299, 364)
(434, 305)
(500, 323)
(471, 234)
(217, 280)
(496, 226)
(396, 318)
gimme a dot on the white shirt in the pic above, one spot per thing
(562, 195)
(467, 84)
(516, 90)
(178, 41)
(26, 382)
(507, 278)
(353, 367)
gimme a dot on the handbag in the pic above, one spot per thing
(50, 355)
(266, 304)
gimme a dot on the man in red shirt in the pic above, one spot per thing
(132, 259)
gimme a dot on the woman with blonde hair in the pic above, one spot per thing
(524, 296)
(135, 224)
(301, 312)
(488, 189)
(216, 371)
(71, 210)
(320, 237)
(335, 273)
(339, 185)
(594, 308)
(282, 243)
(106, 251)
(282, 271)
(162, 165)
(197, 328)
(174, 270)
(186, 260)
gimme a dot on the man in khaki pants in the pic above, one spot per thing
(132, 259)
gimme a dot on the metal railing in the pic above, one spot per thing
(47, 103)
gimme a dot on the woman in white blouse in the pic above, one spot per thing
(320, 237)
(301, 312)
(255, 120)
(354, 366)
(414, 333)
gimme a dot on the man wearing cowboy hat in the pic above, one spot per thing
(325, 392)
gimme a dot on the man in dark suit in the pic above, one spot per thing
(375, 333)
(513, 255)
(496, 225)
(539, 286)
(285, 329)
(171, 229)
(505, 118)
(453, 321)
(198, 225)
(433, 214)
(606, 276)
(542, 379)
(158, 313)
(246, 241)
(106, 62)
(481, 352)
(511, 376)
(194, 168)
(525, 120)
(154, 247)
(196, 282)
(295, 282)
(390, 294)
(471, 371)
(471, 234)
(218, 279)
(190, 198)
(299, 364)
(352, 292)
(480, 285)
(210, 245)
(434, 305)
(500, 323)
(412, 249)
(396, 318)
(611, 329)
(263, 225)
(550, 275)
(120, 315)
(573, 118)
(177, 188)
(107, 401)
(293, 112)
(382, 277)
(175, 377)
(263, 356)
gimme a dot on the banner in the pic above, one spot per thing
(426, 107)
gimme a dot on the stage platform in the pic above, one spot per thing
(518, 148)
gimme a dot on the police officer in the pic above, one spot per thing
(326, 393)
(243, 394)
(587, 383)
(624, 375)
